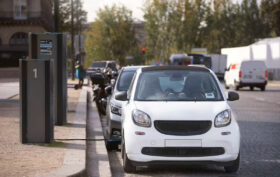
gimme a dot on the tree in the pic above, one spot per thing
(111, 36)
(270, 14)
(252, 25)
(80, 15)
(173, 26)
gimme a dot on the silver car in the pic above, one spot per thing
(113, 108)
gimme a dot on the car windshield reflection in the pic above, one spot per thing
(177, 86)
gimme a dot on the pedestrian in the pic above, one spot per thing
(80, 73)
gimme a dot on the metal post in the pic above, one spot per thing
(56, 15)
(72, 41)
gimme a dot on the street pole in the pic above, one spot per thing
(72, 41)
(79, 23)
(56, 15)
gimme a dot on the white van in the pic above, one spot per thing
(247, 74)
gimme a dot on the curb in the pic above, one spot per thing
(74, 160)
(97, 160)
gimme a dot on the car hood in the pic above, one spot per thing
(182, 110)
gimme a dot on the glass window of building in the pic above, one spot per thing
(19, 38)
(20, 9)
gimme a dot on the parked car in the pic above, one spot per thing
(106, 67)
(247, 74)
(113, 109)
(178, 114)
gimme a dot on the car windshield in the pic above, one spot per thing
(100, 64)
(177, 85)
(125, 80)
(112, 66)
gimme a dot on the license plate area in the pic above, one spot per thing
(183, 143)
(248, 76)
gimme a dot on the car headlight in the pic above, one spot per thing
(223, 118)
(116, 110)
(141, 119)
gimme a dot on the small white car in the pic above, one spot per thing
(178, 114)
(247, 74)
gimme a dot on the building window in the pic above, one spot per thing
(19, 38)
(20, 9)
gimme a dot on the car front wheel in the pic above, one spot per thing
(127, 165)
(234, 167)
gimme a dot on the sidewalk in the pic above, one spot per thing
(274, 83)
(8, 88)
(63, 157)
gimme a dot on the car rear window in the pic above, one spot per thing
(98, 64)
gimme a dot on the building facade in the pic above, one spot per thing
(17, 19)
(140, 33)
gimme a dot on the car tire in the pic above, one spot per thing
(251, 88)
(262, 88)
(234, 167)
(128, 167)
(110, 146)
(237, 87)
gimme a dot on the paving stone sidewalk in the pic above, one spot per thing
(63, 157)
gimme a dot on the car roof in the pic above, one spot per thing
(176, 67)
(107, 61)
(132, 68)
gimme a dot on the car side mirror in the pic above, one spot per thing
(113, 81)
(108, 90)
(115, 74)
(232, 96)
(122, 96)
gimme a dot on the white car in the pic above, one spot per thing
(247, 74)
(113, 108)
(178, 114)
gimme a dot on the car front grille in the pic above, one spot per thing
(182, 128)
(183, 151)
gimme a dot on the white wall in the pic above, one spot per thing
(267, 50)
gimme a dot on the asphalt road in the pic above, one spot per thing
(259, 120)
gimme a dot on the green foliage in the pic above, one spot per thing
(179, 26)
(270, 14)
(111, 36)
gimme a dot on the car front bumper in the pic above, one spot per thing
(134, 145)
(255, 84)
(115, 127)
